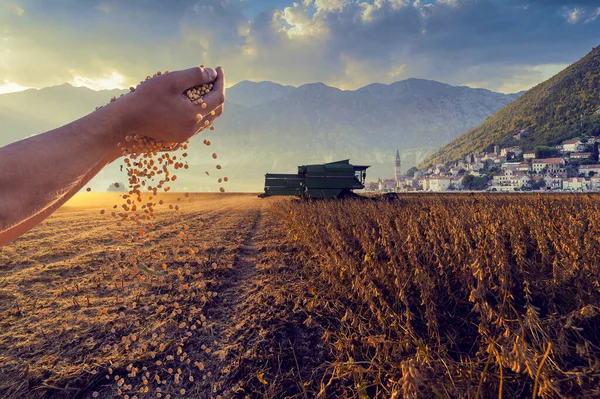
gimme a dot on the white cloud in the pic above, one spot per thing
(11, 87)
(330, 5)
(451, 3)
(299, 23)
(17, 9)
(574, 15)
(112, 81)
(595, 15)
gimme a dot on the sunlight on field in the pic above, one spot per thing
(72, 277)
(100, 200)
(89, 201)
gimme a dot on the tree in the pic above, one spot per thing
(543, 151)
(595, 151)
(479, 183)
(536, 185)
(411, 171)
(471, 182)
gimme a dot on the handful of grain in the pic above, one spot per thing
(149, 166)
(196, 94)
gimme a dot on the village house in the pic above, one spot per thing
(405, 183)
(554, 165)
(586, 169)
(575, 183)
(386, 184)
(511, 178)
(580, 155)
(439, 169)
(595, 183)
(523, 167)
(456, 182)
(515, 150)
(439, 183)
(572, 146)
(510, 165)
(553, 182)
(461, 164)
(593, 140)
(456, 171)
(476, 166)
(529, 155)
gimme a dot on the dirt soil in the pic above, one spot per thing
(210, 315)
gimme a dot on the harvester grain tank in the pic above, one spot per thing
(329, 180)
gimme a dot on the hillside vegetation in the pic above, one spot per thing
(563, 107)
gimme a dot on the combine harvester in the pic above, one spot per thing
(330, 180)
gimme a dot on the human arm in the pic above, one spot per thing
(39, 174)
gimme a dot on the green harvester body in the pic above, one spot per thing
(329, 180)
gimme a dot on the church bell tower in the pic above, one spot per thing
(397, 166)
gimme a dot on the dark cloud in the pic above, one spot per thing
(341, 42)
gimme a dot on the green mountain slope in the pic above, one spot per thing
(564, 106)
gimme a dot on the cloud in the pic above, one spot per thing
(17, 9)
(506, 45)
(574, 15)
(330, 5)
(106, 82)
(594, 15)
(11, 87)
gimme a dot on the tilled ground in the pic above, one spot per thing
(78, 319)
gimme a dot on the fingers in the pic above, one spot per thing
(216, 97)
(188, 78)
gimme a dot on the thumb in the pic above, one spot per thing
(192, 77)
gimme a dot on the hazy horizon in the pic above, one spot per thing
(230, 85)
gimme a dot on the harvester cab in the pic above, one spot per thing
(329, 180)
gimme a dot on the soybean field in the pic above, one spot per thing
(231, 296)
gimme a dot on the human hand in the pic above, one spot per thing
(160, 109)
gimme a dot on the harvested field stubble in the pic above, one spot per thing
(77, 318)
(455, 295)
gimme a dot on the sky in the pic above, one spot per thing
(501, 45)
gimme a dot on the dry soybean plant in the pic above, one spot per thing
(455, 295)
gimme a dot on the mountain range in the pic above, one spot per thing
(268, 127)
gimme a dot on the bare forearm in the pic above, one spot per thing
(44, 171)
(39, 174)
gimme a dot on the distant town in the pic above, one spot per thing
(571, 166)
